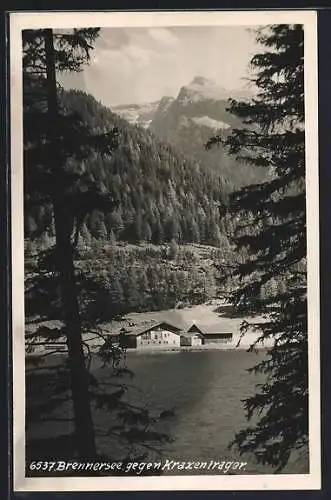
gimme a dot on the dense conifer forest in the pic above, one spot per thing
(162, 195)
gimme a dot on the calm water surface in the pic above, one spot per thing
(204, 390)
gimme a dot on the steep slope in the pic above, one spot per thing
(198, 112)
(189, 120)
(163, 195)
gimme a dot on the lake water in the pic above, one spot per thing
(203, 389)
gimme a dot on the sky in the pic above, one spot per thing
(136, 65)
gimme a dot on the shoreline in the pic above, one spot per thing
(152, 350)
(170, 350)
(190, 349)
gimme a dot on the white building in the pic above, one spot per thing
(158, 335)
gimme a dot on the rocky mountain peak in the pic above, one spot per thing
(202, 88)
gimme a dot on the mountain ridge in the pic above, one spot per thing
(187, 122)
(200, 88)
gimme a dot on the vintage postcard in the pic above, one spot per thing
(165, 274)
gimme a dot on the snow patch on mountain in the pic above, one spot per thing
(137, 114)
(206, 121)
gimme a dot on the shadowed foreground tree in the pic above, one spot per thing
(56, 144)
(52, 139)
(271, 280)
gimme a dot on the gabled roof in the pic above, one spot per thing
(140, 331)
(194, 329)
(214, 329)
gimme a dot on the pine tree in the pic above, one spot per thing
(173, 250)
(114, 222)
(98, 229)
(56, 143)
(53, 137)
(137, 228)
(194, 231)
(112, 238)
(146, 231)
(143, 285)
(117, 295)
(275, 236)
(85, 235)
(158, 233)
(215, 237)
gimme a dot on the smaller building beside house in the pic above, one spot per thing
(211, 334)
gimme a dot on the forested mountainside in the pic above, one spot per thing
(124, 278)
(162, 195)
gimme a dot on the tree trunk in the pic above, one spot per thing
(84, 429)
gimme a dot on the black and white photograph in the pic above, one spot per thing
(165, 250)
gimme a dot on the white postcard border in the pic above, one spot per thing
(33, 20)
